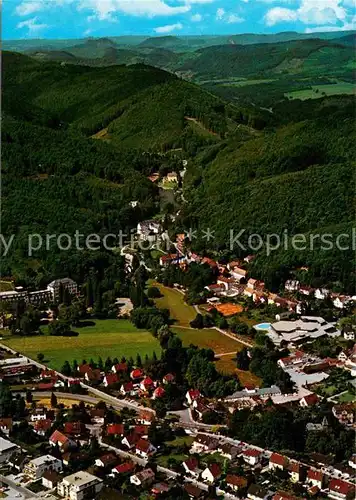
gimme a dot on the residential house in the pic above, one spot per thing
(211, 473)
(352, 461)
(6, 425)
(256, 492)
(115, 430)
(146, 417)
(124, 468)
(36, 467)
(93, 376)
(83, 369)
(238, 273)
(74, 429)
(340, 490)
(149, 230)
(63, 442)
(227, 283)
(41, 427)
(7, 449)
(38, 414)
(194, 491)
(50, 479)
(120, 368)
(309, 400)
(315, 478)
(229, 451)
(292, 285)
(252, 456)
(146, 384)
(160, 488)
(168, 379)
(97, 416)
(340, 301)
(203, 443)
(127, 389)
(321, 293)
(137, 374)
(236, 482)
(107, 460)
(345, 413)
(110, 379)
(130, 440)
(18, 461)
(306, 290)
(144, 448)
(141, 430)
(159, 392)
(349, 332)
(295, 471)
(79, 486)
(191, 466)
(143, 478)
(277, 461)
(192, 395)
(281, 495)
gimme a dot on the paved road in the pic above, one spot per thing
(20, 489)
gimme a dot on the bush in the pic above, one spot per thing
(153, 292)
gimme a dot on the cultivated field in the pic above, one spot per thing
(114, 338)
(173, 300)
(227, 365)
(208, 338)
(318, 91)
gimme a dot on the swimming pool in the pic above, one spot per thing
(262, 326)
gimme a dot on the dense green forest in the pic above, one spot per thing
(249, 168)
(299, 178)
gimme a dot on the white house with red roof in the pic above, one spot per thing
(295, 471)
(252, 456)
(315, 478)
(191, 466)
(137, 374)
(119, 368)
(339, 489)
(127, 389)
(277, 461)
(146, 417)
(309, 400)
(60, 439)
(211, 473)
(110, 379)
(169, 378)
(192, 395)
(144, 448)
(146, 384)
(158, 393)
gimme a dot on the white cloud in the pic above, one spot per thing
(220, 13)
(32, 25)
(319, 12)
(150, 8)
(234, 19)
(278, 15)
(169, 28)
(27, 8)
(196, 18)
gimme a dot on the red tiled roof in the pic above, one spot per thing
(194, 394)
(251, 452)
(137, 373)
(280, 495)
(45, 387)
(339, 486)
(311, 399)
(83, 369)
(43, 425)
(128, 386)
(147, 382)
(111, 378)
(192, 463)
(143, 445)
(215, 470)
(58, 437)
(236, 480)
(108, 458)
(294, 467)
(121, 367)
(141, 429)
(159, 392)
(73, 427)
(278, 459)
(146, 415)
(315, 475)
(169, 377)
(126, 467)
(115, 429)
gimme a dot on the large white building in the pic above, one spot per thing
(80, 485)
(66, 283)
(301, 330)
(38, 466)
(7, 448)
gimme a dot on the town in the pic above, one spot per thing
(171, 425)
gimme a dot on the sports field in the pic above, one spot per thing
(111, 337)
(173, 300)
(208, 338)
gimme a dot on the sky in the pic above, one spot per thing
(98, 18)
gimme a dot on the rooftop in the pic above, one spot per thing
(80, 479)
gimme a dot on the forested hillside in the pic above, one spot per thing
(300, 178)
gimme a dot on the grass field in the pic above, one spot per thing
(227, 365)
(317, 91)
(6, 286)
(209, 339)
(173, 300)
(347, 397)
(114, 338)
